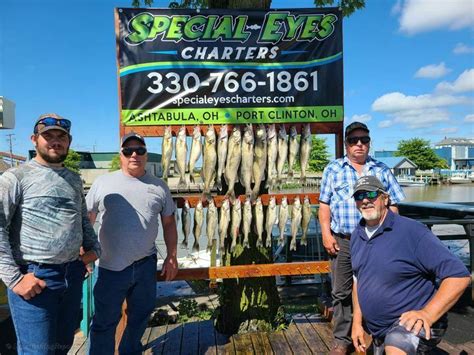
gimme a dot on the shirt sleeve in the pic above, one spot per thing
(10, 195)
(325, 190)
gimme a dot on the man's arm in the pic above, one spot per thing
(357, 330)
(447, 295)
(90, 243)
(329, 242)
(170, 233)
(394, 208)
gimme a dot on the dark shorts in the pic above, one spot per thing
(398, 337)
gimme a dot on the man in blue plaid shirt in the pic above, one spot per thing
(339, 216)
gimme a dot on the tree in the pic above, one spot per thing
(418, 150)
(319, 156)
(115, 163)
(73, 160)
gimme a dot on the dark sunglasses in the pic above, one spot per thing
(128, 151)
(355, 140)
(359, 196)
(53, 121)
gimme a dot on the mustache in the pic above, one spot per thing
(368, 205)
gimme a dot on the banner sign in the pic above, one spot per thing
(229, 66)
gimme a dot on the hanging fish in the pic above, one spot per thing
(166, 151)
(181, 151)
(195, 152)
(272, 155)
(282, 219)
(259, 159)
(293, 151)
(259, 221)
(295, 221)
(247, 160)
(224, 220)
(305, 151)
(209, 161)
(305, 220)
(270, 220)
(246, 222)
(211, 224)
(282, 153)
(234, 155)
(198, 221)
(235, 223)
(222, 143)
(185, 223)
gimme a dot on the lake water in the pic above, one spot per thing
(440, 193)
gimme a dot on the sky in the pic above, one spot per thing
(408, 69)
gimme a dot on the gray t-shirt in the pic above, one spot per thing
(43, 218)
(128, 210)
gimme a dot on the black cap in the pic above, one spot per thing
(132, 135)
(368, 183)
(355, 125)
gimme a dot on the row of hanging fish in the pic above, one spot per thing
(233, 219)
(246, 157)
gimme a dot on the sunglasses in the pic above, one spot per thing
(128, 151)
(53, 121)
(355, 140)
(359, 196)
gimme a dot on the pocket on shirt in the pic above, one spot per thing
(342, 192)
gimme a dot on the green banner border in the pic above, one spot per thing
(241, 115)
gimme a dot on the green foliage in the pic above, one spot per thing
(115, 163)
(348, 6)
(189, 308)
(319, 155)
(418, 150)
(72, 161)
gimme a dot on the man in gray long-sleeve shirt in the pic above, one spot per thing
(43, 225)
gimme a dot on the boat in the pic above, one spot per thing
(410, 181)
(460, 178)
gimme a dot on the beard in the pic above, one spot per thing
(52, 159)
(372, 215)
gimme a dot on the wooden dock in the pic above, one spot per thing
(307, 334)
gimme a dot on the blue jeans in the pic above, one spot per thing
(136, 284)
(45, 324)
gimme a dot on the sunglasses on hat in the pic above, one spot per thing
(52, 121)
(359, 196)
(128, 151)
(356, 139)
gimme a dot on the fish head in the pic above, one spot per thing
(197, 132)
(282, 132)
(210, 135)
(293, 132)
(271, 131)
(236, 134)
(261, 132)
(223, 132)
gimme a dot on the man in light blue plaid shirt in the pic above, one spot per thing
(339, 216)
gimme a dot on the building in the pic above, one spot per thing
(400, 166)
(458, 152)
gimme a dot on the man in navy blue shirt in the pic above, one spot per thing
(405, 279)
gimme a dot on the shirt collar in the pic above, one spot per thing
(387, 225)
(369, 162)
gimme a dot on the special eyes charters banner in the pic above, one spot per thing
(229, 66)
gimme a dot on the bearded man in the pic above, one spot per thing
(405, 279)
(43, 226)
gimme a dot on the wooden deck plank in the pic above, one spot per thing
(224, 345)
(78, 343)
(296, 340)
(190, 339)
(145, 336)
(156, 340)
(322, 328)
(207, 338)
(279, 344)
(243, 344)
(311, 337)
(261, 344)
(174, 334)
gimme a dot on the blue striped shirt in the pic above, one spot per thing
(337, 185)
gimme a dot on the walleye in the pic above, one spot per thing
(282, 219)
(259, 221)
(166, 151)
(221, 154)
(209, 161)
(294, 145)
(235, 223)
(181, 150)
(224, 220)
(259, 159)
(305, 150)
(295, 221)
(305, 220)
(247, 159)
(185, 223)
(272, 151)
(234, 155)
(198, 220)
(195, 152)
(246, 222)
(211, 224)
(282, 152)
(270, 220)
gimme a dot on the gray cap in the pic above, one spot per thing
(355, 125)
(132, 135)
(50, 121)
(368, 183)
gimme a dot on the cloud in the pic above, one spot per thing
(469, 118)
(361, 118)
(426, 15)
(444, 131)
(432, 71)
(385, 123)
(464, 82)
(462, 48)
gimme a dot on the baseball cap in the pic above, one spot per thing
(368, 183)
(355, 125)
(50, 121)
(132, 135)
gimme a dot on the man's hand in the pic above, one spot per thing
(170, 268)
(414, 321)
(29, 286)
(330, 244)
(88, 258)
(357, 336)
